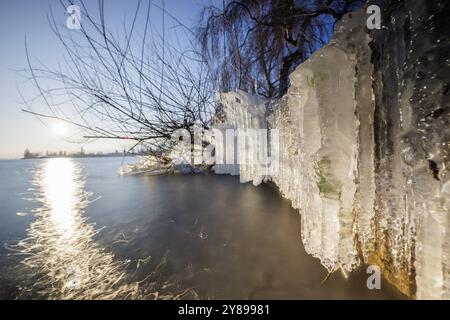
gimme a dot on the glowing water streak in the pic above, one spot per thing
(65, 262)
(62, 260)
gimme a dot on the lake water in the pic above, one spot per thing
(76, 229)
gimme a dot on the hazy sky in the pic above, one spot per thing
(20, 19)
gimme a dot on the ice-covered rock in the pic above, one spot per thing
(148, 164)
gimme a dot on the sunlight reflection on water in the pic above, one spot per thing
(62, 259)
(66, 262)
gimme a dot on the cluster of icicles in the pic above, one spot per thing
(364, 189)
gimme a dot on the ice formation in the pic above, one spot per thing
(364, 144)
(240, 153)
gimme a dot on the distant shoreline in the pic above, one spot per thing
(79, 156)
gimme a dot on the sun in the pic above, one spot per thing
(59, 128)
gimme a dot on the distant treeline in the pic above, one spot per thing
(64, 154)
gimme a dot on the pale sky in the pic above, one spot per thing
(28, 18)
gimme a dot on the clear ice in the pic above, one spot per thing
(364, 141)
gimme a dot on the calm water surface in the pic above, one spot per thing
(75, 229)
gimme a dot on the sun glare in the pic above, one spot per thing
(59, 128)
(60, 191)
